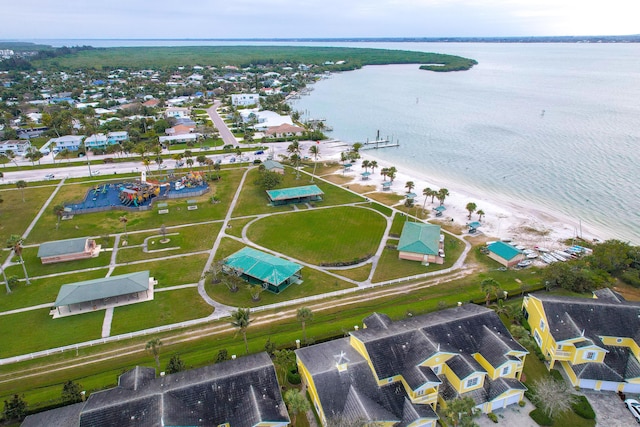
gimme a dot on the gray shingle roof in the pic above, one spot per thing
(62, 247)
(91, 290)
(242, 392)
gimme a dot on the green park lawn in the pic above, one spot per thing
(166, 308)
(318, 236)
(188, 239)
(36, 330)
(169, 272)
(359, 274)
(16, 215)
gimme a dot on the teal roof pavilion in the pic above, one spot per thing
(504, 250)
(259, 267)
(421, 238)
(305, 193)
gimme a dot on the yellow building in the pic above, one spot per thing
(398, 372)
(594, 340)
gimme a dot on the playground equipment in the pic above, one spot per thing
(136, 194)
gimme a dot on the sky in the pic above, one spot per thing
(173, 19)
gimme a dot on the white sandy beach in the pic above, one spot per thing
(504, 219)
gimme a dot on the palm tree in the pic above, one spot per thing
(15, 243)
(296, 402)
(315, 151)
(153, 347)
(442, 195)
(294, 150)
(21, 184)
(480, 213)
(373, 165)
(471, 208)
(490, 286)
(304, 315)
(241, 318)
(384, 172)
(409, 186)
(58, 210)
(216, 167)
(123, 220)
(426, 193)
(366, 164)
(391, 173)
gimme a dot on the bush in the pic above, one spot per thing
(540, 417)
(293, 377)
(522, 404)
(556, 375)
(493, 417)
(582, 408)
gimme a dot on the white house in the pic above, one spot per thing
(178, 139)
(19, 147)
(245, 99)
(117, 137)
(96, 141)
(67, 142)
(176, 112)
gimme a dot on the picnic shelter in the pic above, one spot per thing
(421, 242)
(304, 194)
(256, 267)
(68, 250)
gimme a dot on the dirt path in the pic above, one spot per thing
(261, 319)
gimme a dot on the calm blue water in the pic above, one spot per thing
(485, 130)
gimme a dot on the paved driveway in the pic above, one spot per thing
(610, 410)
(512, 416)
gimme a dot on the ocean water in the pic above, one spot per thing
(551, 126)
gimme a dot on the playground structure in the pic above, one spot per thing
(139, 194)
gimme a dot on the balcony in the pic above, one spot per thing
(560, 355)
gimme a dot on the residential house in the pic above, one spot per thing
(19, 147)
(68, 250)
(96, 141)
(242, 392)
(180, 129)
(400, 371)
(596, 341)
(505, 253)
(421, 242)
(117, 137)
(272, 273)
(245, 99)
(67, 142)
(176, 112)
(284, 131)
(178, 139)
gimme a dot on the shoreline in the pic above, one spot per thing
(504, 219)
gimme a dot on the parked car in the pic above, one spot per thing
(49, 176)
(95, 173)
(633, 406)
(257, 153)
(232, 160)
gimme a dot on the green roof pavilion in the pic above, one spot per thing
(84, 296)
(304, 194)
(421, 242)
(273, 273)
(505, 254)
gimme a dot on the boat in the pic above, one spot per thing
(557, 257)
(564, 255)
(532, 255)
(541, 249)
(548, 258)
(525, 263)
(519, 247)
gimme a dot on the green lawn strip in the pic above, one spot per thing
(166, 308)
(169, 272)
(42, 291)
(36, 268)
(227, 247)
(414, 211)
(340, 234)
(397, 225)
(189, 239)
(358, 274)
(391, 267)
(237, 225)
(35, 330)
(314, 282)
(96, 224)
(385, 210)
(16, 215)
(330, 323)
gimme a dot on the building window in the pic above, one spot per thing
(536, 336)
(591, 355)
(619, 340)
(505, 370)
(472, 382)
(436, 370)
(542, 325)
(390, 380)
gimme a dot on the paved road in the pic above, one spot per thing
(222, 127)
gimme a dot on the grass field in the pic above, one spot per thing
(170, 272)
(319, 236)
(16, 215)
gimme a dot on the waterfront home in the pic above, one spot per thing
(245, 99)
(596, 341)
(284, 130)
(400, 371)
